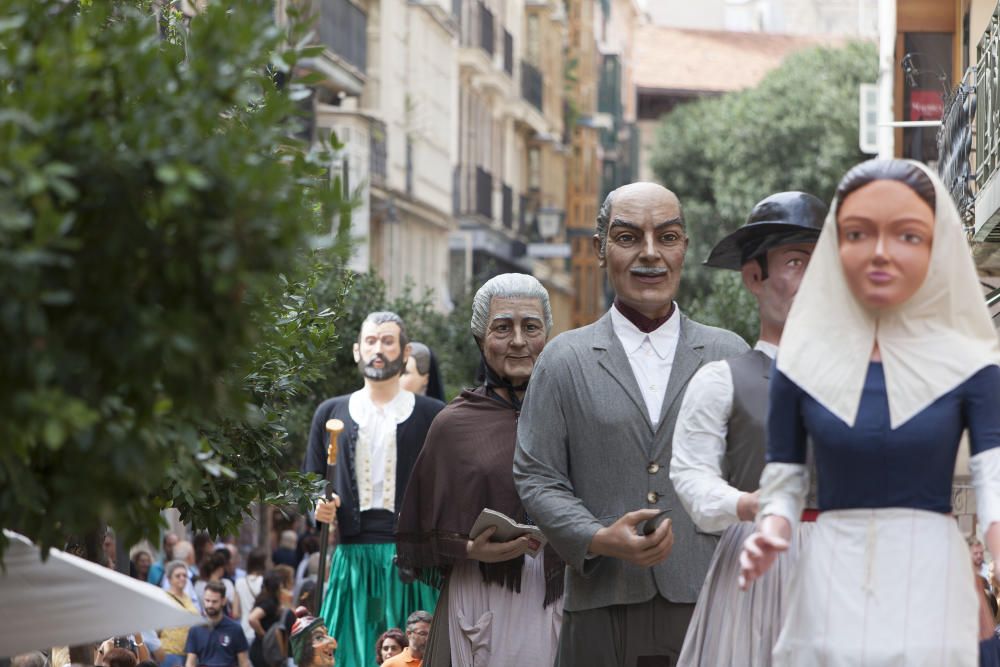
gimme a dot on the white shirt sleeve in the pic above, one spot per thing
(985, 469)
(783, 490)
(699, 447)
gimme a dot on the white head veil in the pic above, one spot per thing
(931, 344)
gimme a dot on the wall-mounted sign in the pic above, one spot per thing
(549, 250)
(926, 105)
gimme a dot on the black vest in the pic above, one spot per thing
(746, 439)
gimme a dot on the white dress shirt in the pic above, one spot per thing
(651, 356)
(700, 445)
(375, 455)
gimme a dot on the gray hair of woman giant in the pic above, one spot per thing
(507, 286)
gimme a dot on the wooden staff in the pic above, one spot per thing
(334, 427)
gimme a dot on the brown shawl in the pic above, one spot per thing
(465, 466)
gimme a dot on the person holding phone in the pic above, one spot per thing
(594, 438)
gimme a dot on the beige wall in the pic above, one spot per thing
(413, 88)
(701, 15)
(980, 12)
(418, 73)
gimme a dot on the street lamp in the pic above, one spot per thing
(549, 222)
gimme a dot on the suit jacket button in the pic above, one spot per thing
(652, 496)
(653, 468)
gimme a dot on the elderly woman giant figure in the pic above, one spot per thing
(503, 605)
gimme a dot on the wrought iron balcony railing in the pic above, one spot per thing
(377, 148)
(343, 28)
(532, 84)
(486, 39)
(955, 146)
(508, 206)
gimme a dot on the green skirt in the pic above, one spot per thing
(365, 597)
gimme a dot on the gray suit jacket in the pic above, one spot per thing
(587, 454)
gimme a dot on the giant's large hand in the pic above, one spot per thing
(762, 548)
(326, 511)
(482, 549)
(622, 540)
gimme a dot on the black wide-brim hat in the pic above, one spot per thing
(781, 219)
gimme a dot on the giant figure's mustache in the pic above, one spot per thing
(651, 271)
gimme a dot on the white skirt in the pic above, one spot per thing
(882, 587)
(734, 628)
(491, 626)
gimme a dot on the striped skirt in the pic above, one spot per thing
(733, 628)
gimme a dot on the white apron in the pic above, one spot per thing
(882, 587)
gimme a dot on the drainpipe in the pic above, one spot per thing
(886, 70)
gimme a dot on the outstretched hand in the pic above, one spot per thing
(622, 539)
(482, 549)
(762, 548)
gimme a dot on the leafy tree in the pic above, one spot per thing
(796, 130)
(154, 216)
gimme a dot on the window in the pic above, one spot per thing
(926, 71)
(534, 168)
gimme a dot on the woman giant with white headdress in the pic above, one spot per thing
(888, 355)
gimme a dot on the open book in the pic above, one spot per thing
(507, 529)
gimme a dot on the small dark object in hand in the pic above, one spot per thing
(650, 525)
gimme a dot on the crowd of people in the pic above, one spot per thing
(254, 617)
(669, 495)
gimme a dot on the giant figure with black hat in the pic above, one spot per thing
(719, 442)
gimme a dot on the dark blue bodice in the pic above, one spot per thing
(871, 465)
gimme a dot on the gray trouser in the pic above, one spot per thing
(646, 634)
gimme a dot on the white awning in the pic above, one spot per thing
(66, 601)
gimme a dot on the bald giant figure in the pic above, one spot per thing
(594, 445)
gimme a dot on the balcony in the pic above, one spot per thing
(343, 29)
(377, 154)
(487, 41)
(955, 150)
(532, 85)
(609, 99)
(484, 193)
(507, 199)
(508, 53)
(473, 192)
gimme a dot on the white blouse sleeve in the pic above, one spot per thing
(783, 490)
(985, 469)
(699, 447)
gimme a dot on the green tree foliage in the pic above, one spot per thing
(159, 305)
(796, 130)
